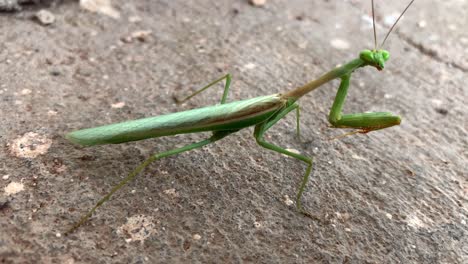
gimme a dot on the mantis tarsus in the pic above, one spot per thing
(226, 118)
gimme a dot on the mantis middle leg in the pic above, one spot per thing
(259, 133)
(225, 93)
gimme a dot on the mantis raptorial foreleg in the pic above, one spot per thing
(259, 133)
(225, 93)
(365, 122)
(215, 137)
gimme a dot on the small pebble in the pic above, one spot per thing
(26, 91)
(141, 35)
(134, 19)
(171, 192)
(250, 66)
(118, 105)
(391, 19)
(196, 237)
(340, 44)
(422, 24)
(45, 17)
(258, 3)
(6, 177)
(52, 113)
(100, 6)
(287, 200)
(14, 188)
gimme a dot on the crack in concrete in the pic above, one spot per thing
(430, 52)
(421, 48)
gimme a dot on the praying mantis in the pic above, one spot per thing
(227, 118)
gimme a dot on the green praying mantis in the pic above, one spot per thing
(226, 118)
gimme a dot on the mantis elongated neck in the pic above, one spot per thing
(338, 72)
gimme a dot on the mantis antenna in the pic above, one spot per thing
(394, 24)
(373, 24)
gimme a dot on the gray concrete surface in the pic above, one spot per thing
(392, 196)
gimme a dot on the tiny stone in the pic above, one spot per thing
(52, 113)
(58, 235)
(118, 105)
(422, 24)
(391, 19)
(5, 177)
(171, 192)
(141, 35)
(437, 102)
(389, 216)
(258, 2)
(249, 66)
(196, 237)
(287, 200)
(100, 6)
(134, 19)
(14, 188)
(25, 91)
(45, 17)
(340, 44)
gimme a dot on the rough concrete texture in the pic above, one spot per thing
(393, 196)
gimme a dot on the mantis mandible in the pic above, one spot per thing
(227, 118)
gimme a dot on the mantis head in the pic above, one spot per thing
(376, 58)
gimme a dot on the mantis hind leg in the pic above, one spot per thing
(225, 93)
(365, 122)
(259, 136)
(215, 137)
